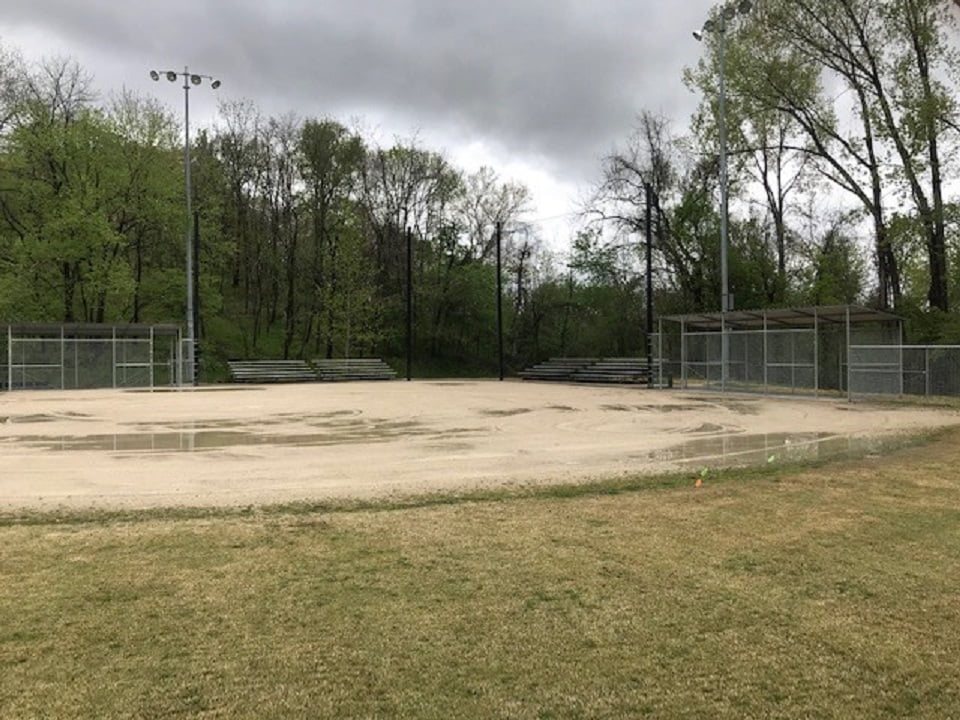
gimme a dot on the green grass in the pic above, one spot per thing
(828, 591)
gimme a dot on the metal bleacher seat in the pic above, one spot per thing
(270, 371)
(557, 369)
(344, 369)
(629, 371)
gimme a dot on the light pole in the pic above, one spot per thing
(718, 25)
(188, 80)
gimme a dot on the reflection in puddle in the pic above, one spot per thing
(217, 439)
(43, 418)
(335, 418)
(739, 450)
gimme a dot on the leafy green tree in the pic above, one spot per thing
(332, 158)
(896, 73)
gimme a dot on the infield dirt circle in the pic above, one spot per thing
(239, 445)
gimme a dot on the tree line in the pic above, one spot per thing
(843, 147)
(301, 229)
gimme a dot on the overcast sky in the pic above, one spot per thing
(537, 89)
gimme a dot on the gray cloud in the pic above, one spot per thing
(558, 81)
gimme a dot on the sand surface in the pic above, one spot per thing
(239, 445)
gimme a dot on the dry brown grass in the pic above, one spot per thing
(826, 592)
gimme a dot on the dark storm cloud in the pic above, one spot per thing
(557, 80)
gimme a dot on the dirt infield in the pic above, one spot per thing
(250, 445)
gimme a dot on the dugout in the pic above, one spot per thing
(74, 355)
(788, 350)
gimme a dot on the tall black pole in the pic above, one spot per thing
(409, 304)
(649, 257)
(196, 297)
(500, 297)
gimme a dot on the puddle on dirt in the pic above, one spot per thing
(740, 406)
(706, 428)
(219, 439)
(334, 418)
(669, 408)
(759, 449)
(43, 418)
(505, 413)
(176, 389)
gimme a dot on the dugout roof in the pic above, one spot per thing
(784, 317)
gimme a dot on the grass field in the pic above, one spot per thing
(828, 591)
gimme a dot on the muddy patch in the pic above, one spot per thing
(506, 413)
(211, 440)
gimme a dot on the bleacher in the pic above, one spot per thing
(343, 369)
(270, 371)
(619, 371)
(557, 369)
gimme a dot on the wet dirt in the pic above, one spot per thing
(761, 449)
(207, 440)
(284, 443)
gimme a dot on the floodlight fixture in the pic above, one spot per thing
(196, 79)
(698, 36)
(154, 75)
(215, 84)
(171, 76)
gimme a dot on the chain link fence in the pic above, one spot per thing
(925, 370)
(69, 357)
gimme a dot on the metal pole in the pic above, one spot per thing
(900, 375)
(63, 360)
(816, 354)
(151, 357)
(793, 363)
(179, 359)
(648, 190)
(724, 351)
(660, 353)
(196, 297)
(409, 304)
(766, 354)
(500, 298)
(849, 388)
(189, 248)
(683, 354)
(9, 357)
(725, 304)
